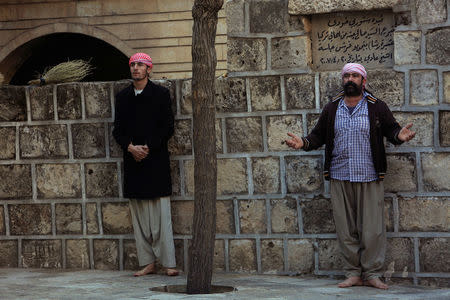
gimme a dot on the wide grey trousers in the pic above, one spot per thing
(152, 226)
(358, 210)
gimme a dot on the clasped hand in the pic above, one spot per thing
(139, 152)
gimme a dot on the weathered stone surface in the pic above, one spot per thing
(389, 214)
(401, 173)
(291, 52)
(8, 144)
(300, 256)
(41, 102)
(225, 217)
(130, 260)
(399, 255)
(77, 254)
(435, 282)
(265, 93)
(41, 254)
(277, 129)
(268, 16)
(435, 171)
(114, 148)
(300, 91)
(305, 7)
(88, 140)
(284, 215)
(231, 95)
(179, 253)
(423, 87)
(2, 220)
(252, 216)
(106, 254)
(311, 121)
(387, 85)
(175, 173)
(246, 54)
(219, 256)
(8, 254)
(92, 218)
(244, 134)
(422, 125)
(69, 101)
(46, 141)
(26, 219)
(13, 106)
(16, 181)
(407, 47)
(219, 141)
(58, 181)
(68, 218)
(272, 256)
(181, 142)
(444, 128)
(437, 44)
(101, 180)
(431, 11)
(329, 255)
(97, 99)
(116, 218)
(304, 174)
(424, 214)
(446, 79)
(434, 255)
(317, 216)
(330, 84)
(186, 97)
(297, 23)
(182, 213)
(242, 256)
(234, 10)
(266, 175)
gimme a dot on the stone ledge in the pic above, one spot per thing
(305, 7)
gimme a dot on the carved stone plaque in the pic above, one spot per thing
(358, 37)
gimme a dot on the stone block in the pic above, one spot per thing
(97, 99)
(284, 216)
(234, 10)
(317, 216)
(330, 83)
(114, 149)
(265, 93)
(435, 282)
(225, 217)
(300, 256)
(8, 254)
(16, 182)
(68, 218)
(266, 175)
(219, 142)
(277, 129)
(41, 102)
(291, 52)
(246, 54)
(231, 95)
(300, 91)
(106, 254)
(44, 141)
(120, 85)
(446, 80)
(272, 258)
(424, 214)
(387, 85)
(116, 218)
(186, 97)
(311, 121)
(69, 101)
(435, 171)
(2, 220)
(242, 256)
(182, 214)
(407, 47)
(12, 103)
(219, 255)
(423, 87)
(130, 259)
(306, 7)
(179, 253)
(244, 134)
(42, 254)
(444, 128)
(434, 255)
(8, 145)
(27, 219)
(437, 42)
(330, 257)
(268, 16)
(431, 11)
(92, 218)
(88, 140)
(101, 180)
(181, 142)
(399, 255)
(175, 174)
(252, 216)
(389, 214)
(298, 23)
(58, 181)
(304, 174)
(401, 175)
(422, 125)
(77, 254)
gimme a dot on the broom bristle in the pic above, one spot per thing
(70, 71)
(2, 78)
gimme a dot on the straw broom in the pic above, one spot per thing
(69, 71)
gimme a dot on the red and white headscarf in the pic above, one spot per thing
(354, 68)
(141, 57)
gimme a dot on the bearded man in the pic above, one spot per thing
(352, 127)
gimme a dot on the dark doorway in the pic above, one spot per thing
(109, 63)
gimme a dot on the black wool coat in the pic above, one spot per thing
(145, 119)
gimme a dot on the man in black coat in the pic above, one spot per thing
(143, 125)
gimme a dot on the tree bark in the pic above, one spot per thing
(204, 61)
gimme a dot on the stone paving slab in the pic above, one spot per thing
(33, 284)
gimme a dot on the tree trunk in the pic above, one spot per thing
(204, 61)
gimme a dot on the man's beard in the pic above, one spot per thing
(352, 89)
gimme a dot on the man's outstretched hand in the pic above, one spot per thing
(405, 134)
(295, 142)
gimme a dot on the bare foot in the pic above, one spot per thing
(351, 281)
(149, 269)
(376, 283)
(171, 272)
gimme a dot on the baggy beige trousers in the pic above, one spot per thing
(358, 210)
(152, 226)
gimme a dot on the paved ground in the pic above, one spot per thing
(42, 284)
